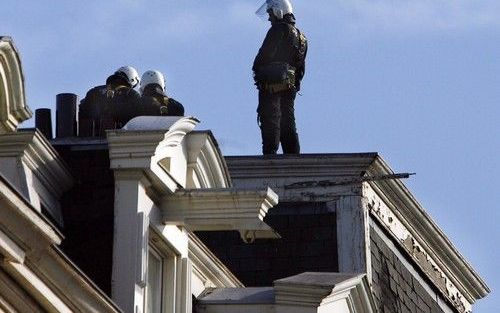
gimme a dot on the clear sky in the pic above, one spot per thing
(417, 81)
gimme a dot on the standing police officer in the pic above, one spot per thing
(154, 99)
(278, 69)
(110, 106)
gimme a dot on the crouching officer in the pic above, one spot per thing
(278, 70)
(110, 106)
(154, 99)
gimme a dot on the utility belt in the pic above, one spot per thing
(275, 77)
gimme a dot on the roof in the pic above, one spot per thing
(301, 165)
(248, 295)
(329, 280)
(280, 170)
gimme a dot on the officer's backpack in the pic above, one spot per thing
(301, 48)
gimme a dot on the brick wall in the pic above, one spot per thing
(308, 243)
(88, 214)
(395, 289)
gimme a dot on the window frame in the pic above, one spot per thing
(169, 259)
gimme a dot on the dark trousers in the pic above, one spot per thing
(277, 122)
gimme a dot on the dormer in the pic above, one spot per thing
(171, 181)
(27, 159)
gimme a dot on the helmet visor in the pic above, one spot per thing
(262, 11)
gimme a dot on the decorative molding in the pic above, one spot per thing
(70, 283)
(203, 154)
(29, 253)
(277, 172)
(9, 250)
(421, 258)
(317, 289)
(299, 166)
(13, 109)
(36, 287)
(13, 298)
(142, 147)
(18, 214)
(304, 293)
(138, 144)
(31, 149)
(428, 234)
(221, 209)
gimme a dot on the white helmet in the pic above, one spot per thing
(279, 8)
(130, 74)
(152, 77)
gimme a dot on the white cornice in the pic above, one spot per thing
(299, 166)
(71, 284)
(40, 157)
(314, 289)
(134, 146)
(32, 156)
(29, 254)
(13, 109)
(142, 146)
(221, 209)
(18, 214)
(209, 266)
(9, 250)
(426, 235)
(282, 171)
(36, 287)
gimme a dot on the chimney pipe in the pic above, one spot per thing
(66, 115)
(43, 122)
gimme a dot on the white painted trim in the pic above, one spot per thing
(9, 250)
(37, 288)
(205, 162)
(427, 233)
(314, 289)
(130, 239)
(324, 290)
(303, 166)
(41, 174)
(28, 245)
(411, 267)
(353, 237)
(149, 151)
(280, 172)
(13, 108)
(171, 269)
(221, 209)
(18, 209)
(13, 298)
(383, 213)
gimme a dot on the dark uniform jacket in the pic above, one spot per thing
(283, 43)
(155, 102)
(91, 105)
(107, 107)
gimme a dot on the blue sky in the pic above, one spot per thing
(417, 81)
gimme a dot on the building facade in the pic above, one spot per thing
(152, 218)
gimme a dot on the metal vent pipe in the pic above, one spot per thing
(43, 121)
(66, 115)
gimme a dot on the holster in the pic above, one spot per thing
(275, 77)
